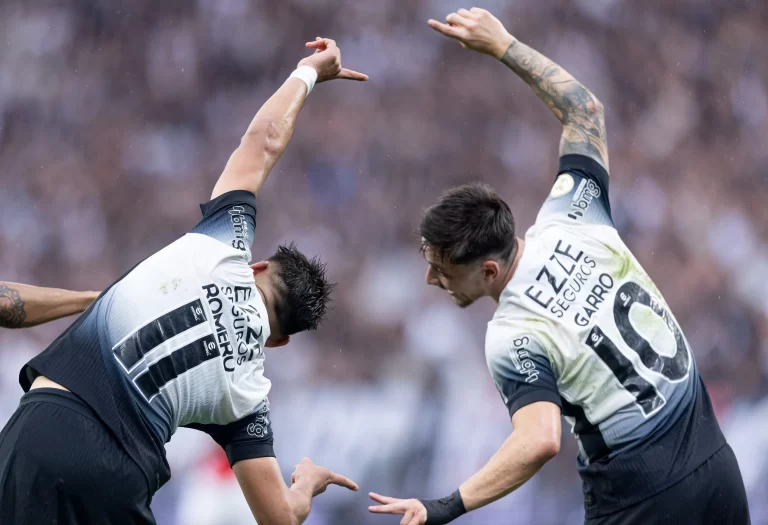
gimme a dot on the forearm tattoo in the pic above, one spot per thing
(574, 105)
(12, 314)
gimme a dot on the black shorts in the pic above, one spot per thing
(59, 464)
(713, 494)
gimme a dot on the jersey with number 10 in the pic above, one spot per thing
(583, 326)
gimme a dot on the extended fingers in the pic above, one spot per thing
(343, 481)
(392, 508)
(382, 499)
(349, 74)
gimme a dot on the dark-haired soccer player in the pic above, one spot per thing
(580, 330)
(178, 341)
(22, 305)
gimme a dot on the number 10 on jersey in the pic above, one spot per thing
(670, 369)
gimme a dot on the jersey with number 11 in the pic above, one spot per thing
(582, 325)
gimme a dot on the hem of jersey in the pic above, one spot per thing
(594, 514)
(534, 396)
(62, 398)
(588, 165)
(229, 198)
(241, 452)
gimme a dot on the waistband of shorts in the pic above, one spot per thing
(60, 397)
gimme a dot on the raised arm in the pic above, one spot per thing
(535, 440)
(580, 112)
(271, 501)
(22, 305)
(270, 131)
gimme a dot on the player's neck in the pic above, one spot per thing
(509, 272)
(267, 305)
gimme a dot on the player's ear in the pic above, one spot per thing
(277, 342)
(491, 270)
(259, 267)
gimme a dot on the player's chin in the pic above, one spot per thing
(461, 301)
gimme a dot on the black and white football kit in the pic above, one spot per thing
(176, 342)
(583, 326)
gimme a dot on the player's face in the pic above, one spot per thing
(465, 284)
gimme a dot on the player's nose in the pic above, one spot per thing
(431, 277)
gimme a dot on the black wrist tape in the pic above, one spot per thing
(444, 510)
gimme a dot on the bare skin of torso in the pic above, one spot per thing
(44, 382)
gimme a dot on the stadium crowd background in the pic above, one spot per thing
(116, 117)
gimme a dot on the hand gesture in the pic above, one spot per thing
(318, 478)
(327, 62)
(476, 29)
(413, 511)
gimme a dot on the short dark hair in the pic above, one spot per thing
(469, 223)
(303, 291)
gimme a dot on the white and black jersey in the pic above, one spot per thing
(177, 341)
(583, 326)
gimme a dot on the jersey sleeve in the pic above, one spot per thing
(247, 438)
(579, 195)
(231, 219)
(521, 370)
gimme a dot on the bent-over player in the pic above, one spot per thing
(178, 341)
(580, 330)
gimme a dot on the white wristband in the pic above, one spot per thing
(306, 74)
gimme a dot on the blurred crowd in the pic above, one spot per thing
(117, 116)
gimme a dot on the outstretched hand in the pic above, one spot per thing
(412, 510)
(327, 62)
(318, 478)
(476, 29)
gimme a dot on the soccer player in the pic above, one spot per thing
(178, 341)
(580, 330)
(22, 305)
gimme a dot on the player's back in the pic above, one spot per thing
(582, 320)
(177, 341)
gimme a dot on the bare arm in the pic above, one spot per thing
(271, 501)
(264, 141)
(534, 441)
(271, 129)
(22, 305)
(580, 112)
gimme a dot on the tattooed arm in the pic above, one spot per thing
(580, 112)
(22, 305)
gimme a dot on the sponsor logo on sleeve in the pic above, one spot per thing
(260, 425)
(522, 359)
(587, 191)
(239, 227)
